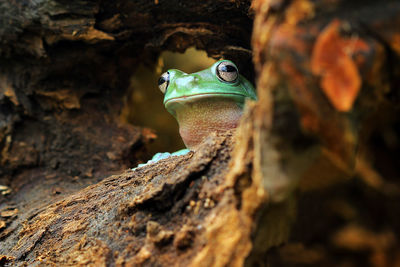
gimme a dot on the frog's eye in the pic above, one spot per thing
(163, 82)
(227, 72)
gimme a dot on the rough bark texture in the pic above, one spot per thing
(308, 179)
(330, 69)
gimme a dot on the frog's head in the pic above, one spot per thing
(207, 101)
(221, 80)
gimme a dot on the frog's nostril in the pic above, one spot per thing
(195, 79)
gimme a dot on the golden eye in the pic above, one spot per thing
(227, 72)
(163, 82)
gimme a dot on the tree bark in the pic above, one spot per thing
(308, 178)
(329, 72)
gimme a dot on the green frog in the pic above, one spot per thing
(207, 101)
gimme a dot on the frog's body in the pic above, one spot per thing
(207, 101)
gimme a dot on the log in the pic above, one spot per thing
(307, 179)
(329, 73)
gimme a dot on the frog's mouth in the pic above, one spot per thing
(204, 95)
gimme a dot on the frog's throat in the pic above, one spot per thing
(199, 119)
(196, 97)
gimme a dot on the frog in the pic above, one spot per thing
(204, 102)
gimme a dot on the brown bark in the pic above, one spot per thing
(330, 69)
(320, 138)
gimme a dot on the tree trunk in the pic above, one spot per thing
(308, 179)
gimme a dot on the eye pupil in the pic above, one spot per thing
(228, 68)
(227, 72)
(163, 82)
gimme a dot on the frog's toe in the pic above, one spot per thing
(181, 152)
(155, 158)
(163, 155)
(160, 156)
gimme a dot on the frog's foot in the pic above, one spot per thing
(159, 156)
(180, 152)
(155, 158)
(164, 155)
